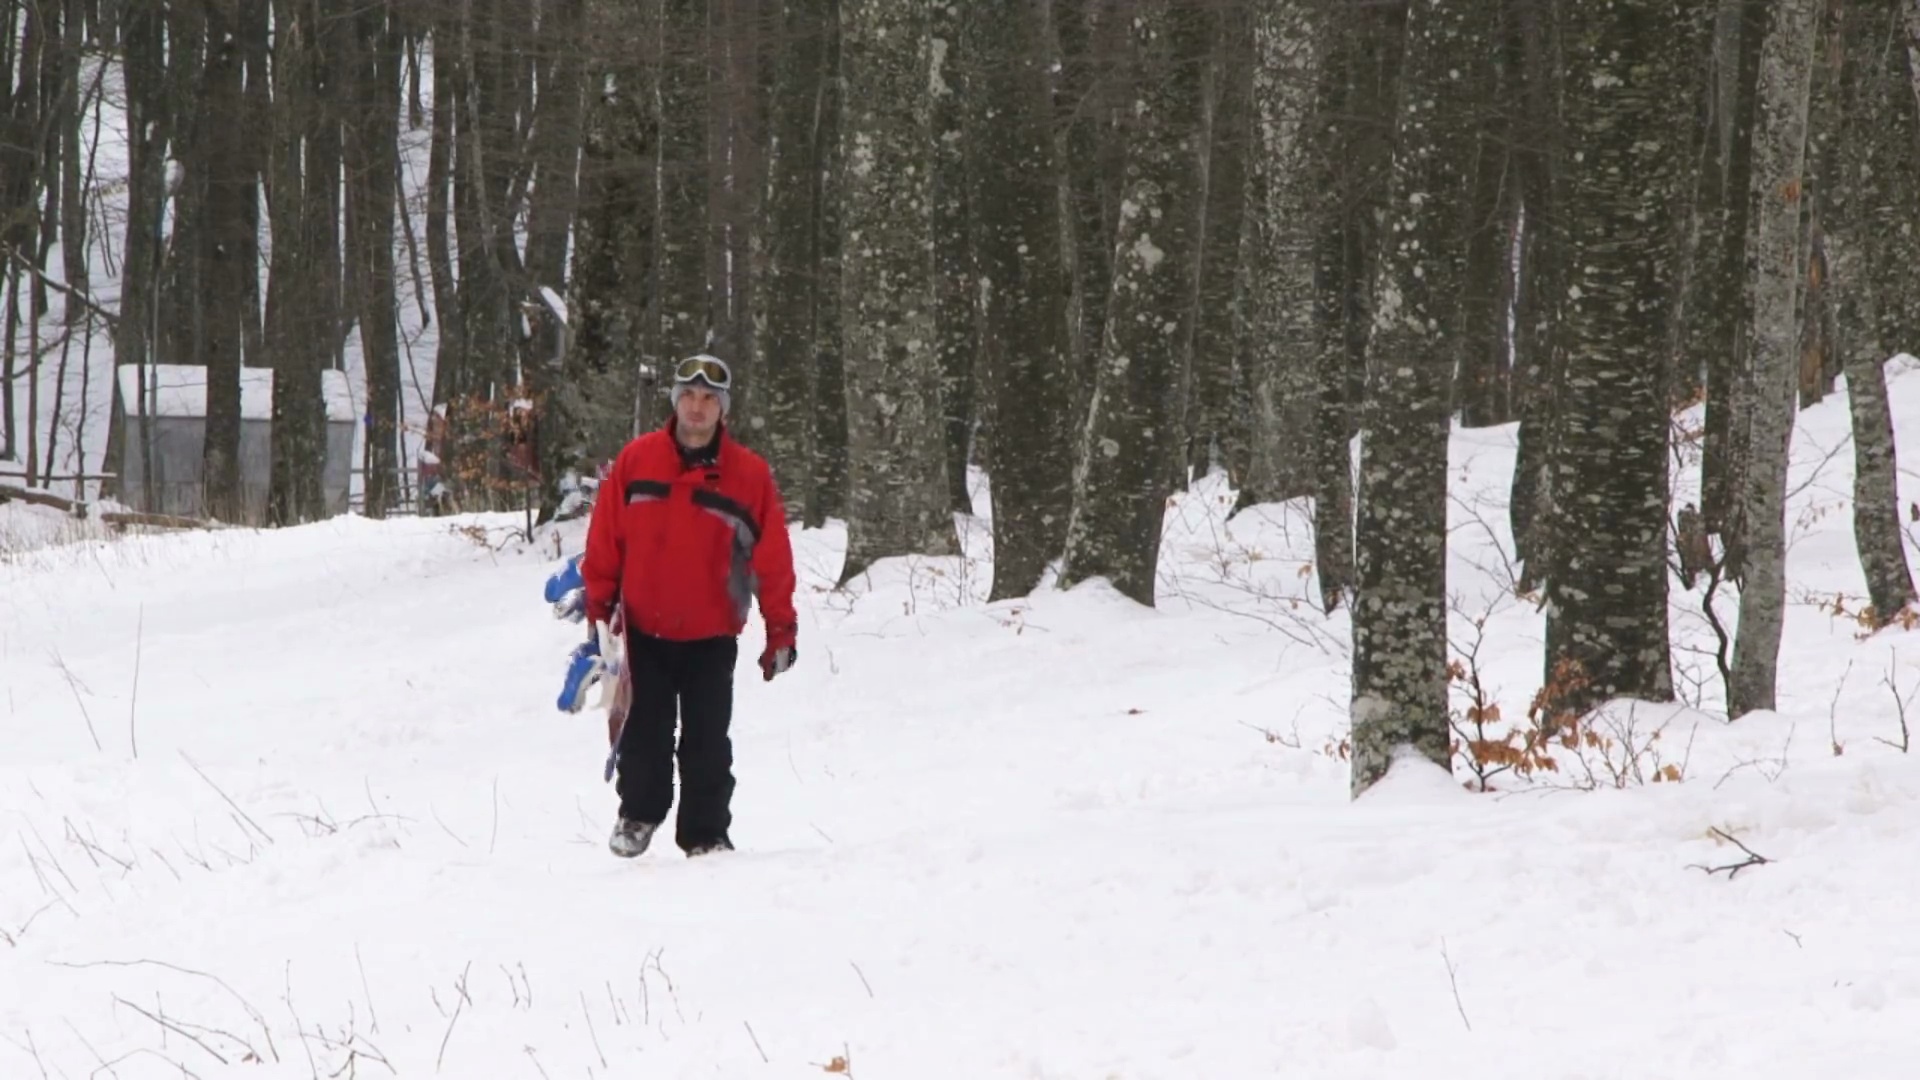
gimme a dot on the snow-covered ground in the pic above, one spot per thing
(299, 804)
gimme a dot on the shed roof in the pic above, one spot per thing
(180, 390)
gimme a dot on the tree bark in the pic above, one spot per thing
(1607, 586)
(560, 434)
(299, 324)
(1718, 328)
(1399, 621)
(372, 184)
(1284, 230)
(1220, 327)
(899, 502)
(790, 281)
(1014, 186)
(955, 318)
(1774, 260)
(1539, 288)
(1865, 211)
(1130, 441)
(612, 378)
(227, 258)
(829, 493)
(686, 314)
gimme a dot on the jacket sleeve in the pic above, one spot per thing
(773, 567)
(606, 548)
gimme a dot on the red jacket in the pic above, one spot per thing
(684, 549)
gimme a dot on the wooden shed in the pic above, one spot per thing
(162, 433)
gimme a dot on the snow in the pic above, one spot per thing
(304, 795)
(181, 390)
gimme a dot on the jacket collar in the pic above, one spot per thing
(695, 457)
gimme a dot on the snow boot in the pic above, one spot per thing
(630, 838)
(709, 848)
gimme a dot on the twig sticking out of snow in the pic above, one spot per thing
(1899, 703)
(756, 1044)
(1732, 869)
(1454, 982)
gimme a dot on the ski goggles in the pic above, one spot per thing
(707, 369)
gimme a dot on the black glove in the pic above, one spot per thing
(774, 661)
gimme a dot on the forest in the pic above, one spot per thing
(1089, 249)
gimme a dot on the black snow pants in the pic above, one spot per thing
(693, 679)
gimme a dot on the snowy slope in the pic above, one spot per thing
(333, 822)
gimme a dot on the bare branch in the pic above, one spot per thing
(1732, 869)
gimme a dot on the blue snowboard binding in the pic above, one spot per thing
(585, 670)
(567, 592)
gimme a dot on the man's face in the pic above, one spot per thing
(698, 412)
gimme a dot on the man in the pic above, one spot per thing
(687, 529)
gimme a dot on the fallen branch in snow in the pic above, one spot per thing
(229, 800)
(156, 521)
(169, 1025)
(9, 492)
(460, 985)
(365, 989)
(33, 1052)
(73, 684)
(1454, 982)
(252, 1013)
(93, 849)
(1732, 869)
(13, 939)
(595, 1036)
(750, 1035)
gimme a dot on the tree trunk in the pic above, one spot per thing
(1090, 41)
(1539, 287)
(1284, 230)
(1399, 621)
(226, 161)
(1719, 323)
(899, 502)
(299, 322)
(790, 282)
(1124, 460)
(1607, 586)
(1865, 210)
(830, 491)
(559, 434)
(1018, 238)
(956, 322)
(612, 382)
(685, 308)
(1774, 255)
(372, 183)
(1220, 326)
